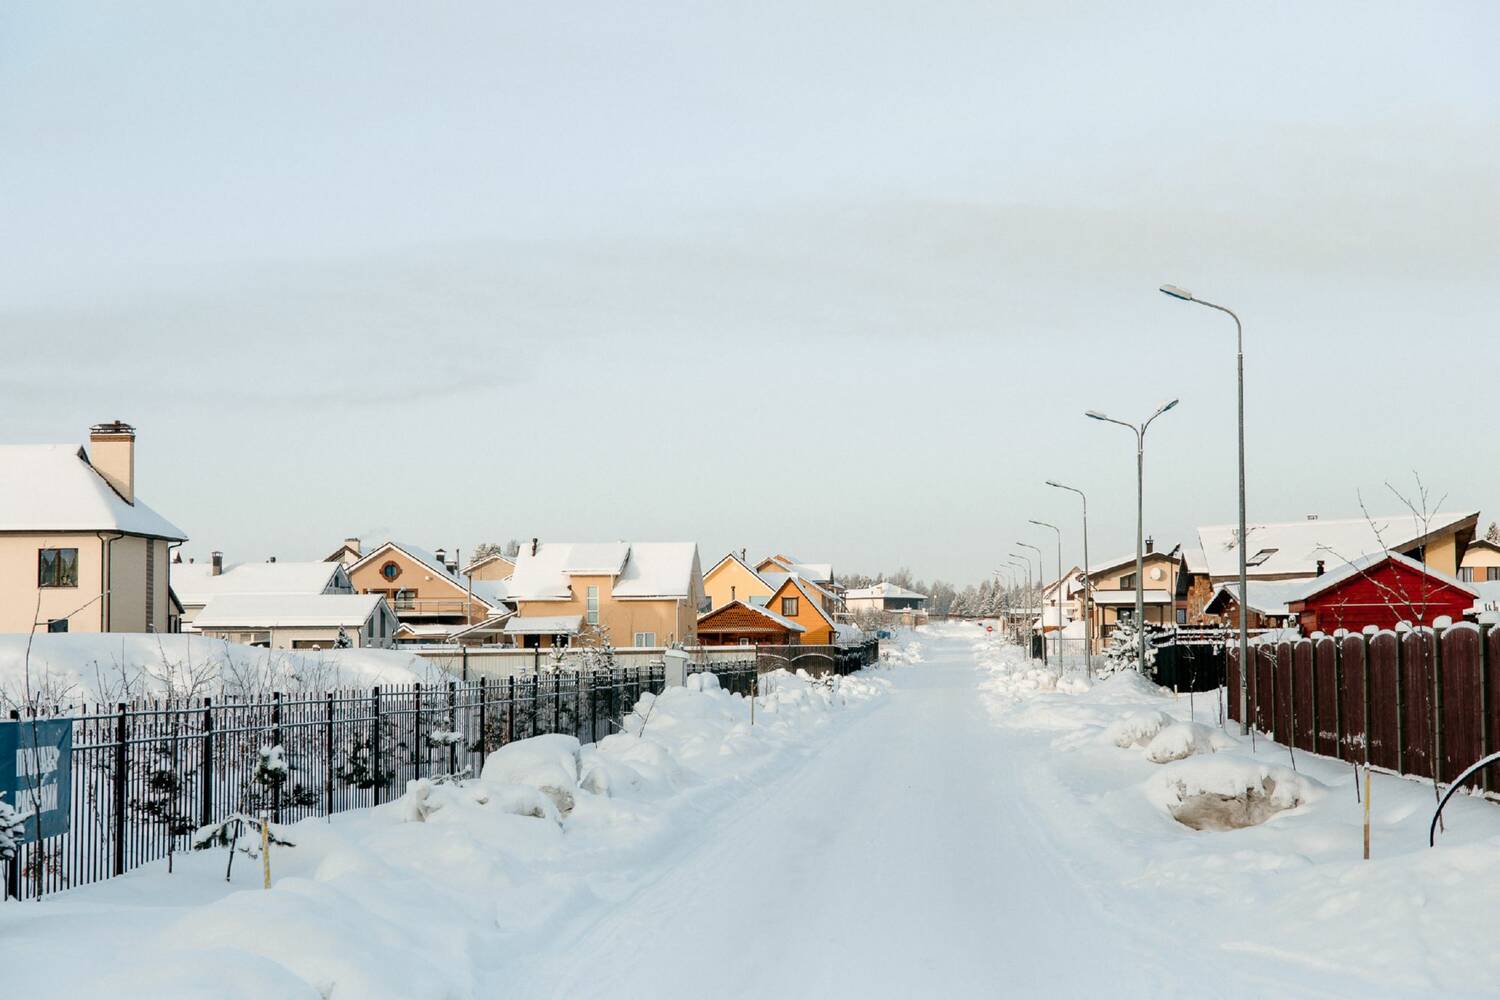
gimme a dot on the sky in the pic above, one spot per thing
(837, 279)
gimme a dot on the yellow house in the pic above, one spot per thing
(1481, 562)
(628, 593)
(79, 552)
(731, 579)
(494, 567)
(796, 601)
(1112, 590)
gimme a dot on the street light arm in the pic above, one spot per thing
(1111, 420)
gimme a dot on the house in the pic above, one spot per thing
(1266, 607)
(1112, 590)
(425, 591)
(1195, 588)
(1380, 589)
(819, 573)
(299, 621)
(197, 584)
(491, 567)
(1294, 549)
(731, 579)
(796, 601)
(626, 593)
(79, 550)
(882, 597)
(348, 553)
(740, 623)
(1481, 562)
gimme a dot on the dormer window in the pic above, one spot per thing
(1260, 557)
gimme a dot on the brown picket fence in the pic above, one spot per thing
(1412, 703)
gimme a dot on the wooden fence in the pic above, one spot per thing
(1409, 702)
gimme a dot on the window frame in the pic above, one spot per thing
(55, 582)
(591, 605)
(791, 607)
(644, 645)
(392, 565)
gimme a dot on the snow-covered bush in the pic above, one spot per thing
(548, 763)
(1123, 651)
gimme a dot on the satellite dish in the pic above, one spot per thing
(1157, 573)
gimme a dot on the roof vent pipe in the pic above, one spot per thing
(1150, 544)
(218, 562)
(1320, 568)
(533, 546)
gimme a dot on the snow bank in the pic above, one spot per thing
(1185, 739)
(437, 895)
(1225, 793)
(88, 668)
(1137, 729)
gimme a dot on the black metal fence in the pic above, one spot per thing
(149, 773)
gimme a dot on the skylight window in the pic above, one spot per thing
(1260, 557)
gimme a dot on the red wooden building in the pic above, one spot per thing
(1380, 589)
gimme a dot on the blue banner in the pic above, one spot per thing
(36, 774)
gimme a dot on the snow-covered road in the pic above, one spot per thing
(897, 862)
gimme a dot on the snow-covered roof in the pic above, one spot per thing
(644, 569)
(774, 580)
(780, 622)
(485, 561)
(1489, 596)
(1356, 567)
(1120, 562)
(196, 584)
(1293, 548)
(884, 588)
(816, 572)
(287, 610)
(543, 625)
(1269, 597)
(52, 487)
(418, 554)
(491, 592)
(1194, 559)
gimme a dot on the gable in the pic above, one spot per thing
(1394, 581)
(792, 587)
(412, 574)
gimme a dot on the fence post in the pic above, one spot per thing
(328, 754)
(375, 741)
(1338, 692)
(452, 727)
(418, 751)
(1484, 702)
(1364, 670)
(276, 742)
(1400, 704)
(206, 767)
(122, 760)
(1437, 704)
(13, 866)
(484, 734)
(510, 709)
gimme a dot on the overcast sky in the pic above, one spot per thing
(833, 278)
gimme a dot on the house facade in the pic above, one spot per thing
(79, 551)
(628, 593)
(424, 590)
(732, 579)
(740, 623)
(1480, 562)
(796, 601)
(1112, 591)
(1380, 590)
(882, 597)
(300, 621)
(493, 567)
(198, 584)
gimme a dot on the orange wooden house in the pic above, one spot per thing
(740, 624)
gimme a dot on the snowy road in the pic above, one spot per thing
(897, 862)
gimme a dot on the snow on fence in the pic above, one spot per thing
(500, 663)
(1404, 702)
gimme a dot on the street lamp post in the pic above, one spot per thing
(1239, 338)
(1140, 521)
(1041, 606)
(1088, 615)
(1055, 528)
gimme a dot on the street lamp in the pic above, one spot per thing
(1055, 528)
(1088, 617)
(1042, 606)
(1140, 522)
(1239, 338)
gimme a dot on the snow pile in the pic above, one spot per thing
(899, 651)
(1227, 793)
(1137, 729)
(1185, 739)
(84, 668)
(440, 893)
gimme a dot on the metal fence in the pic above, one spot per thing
(468, 662)
(147, 774)
(1421, 702)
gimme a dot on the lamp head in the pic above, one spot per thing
(1094, 415)
(1173, 403)
(1177, 293)
(1052, 482)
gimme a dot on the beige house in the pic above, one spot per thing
(630, 593)
(731, 579)
(495, 567)
(1481, 562)
(1112, 590)
(79, 552)
(299, 621)
(424, 589)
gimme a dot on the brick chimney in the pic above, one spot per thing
(218, 558)
(352, 544)
(112, 454)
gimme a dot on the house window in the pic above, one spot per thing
(744, 642)
(789, 607)
(1261, 557)
(1466, 574)
(1124, 615)
(645, 638)
(390, 571)
(593, 607)
(57, 625)
(1492, 573)
(1127, 582)
(57, 568)
(406, 600)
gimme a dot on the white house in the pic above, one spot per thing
(299, 621)
(884, 596)
(197, 584)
